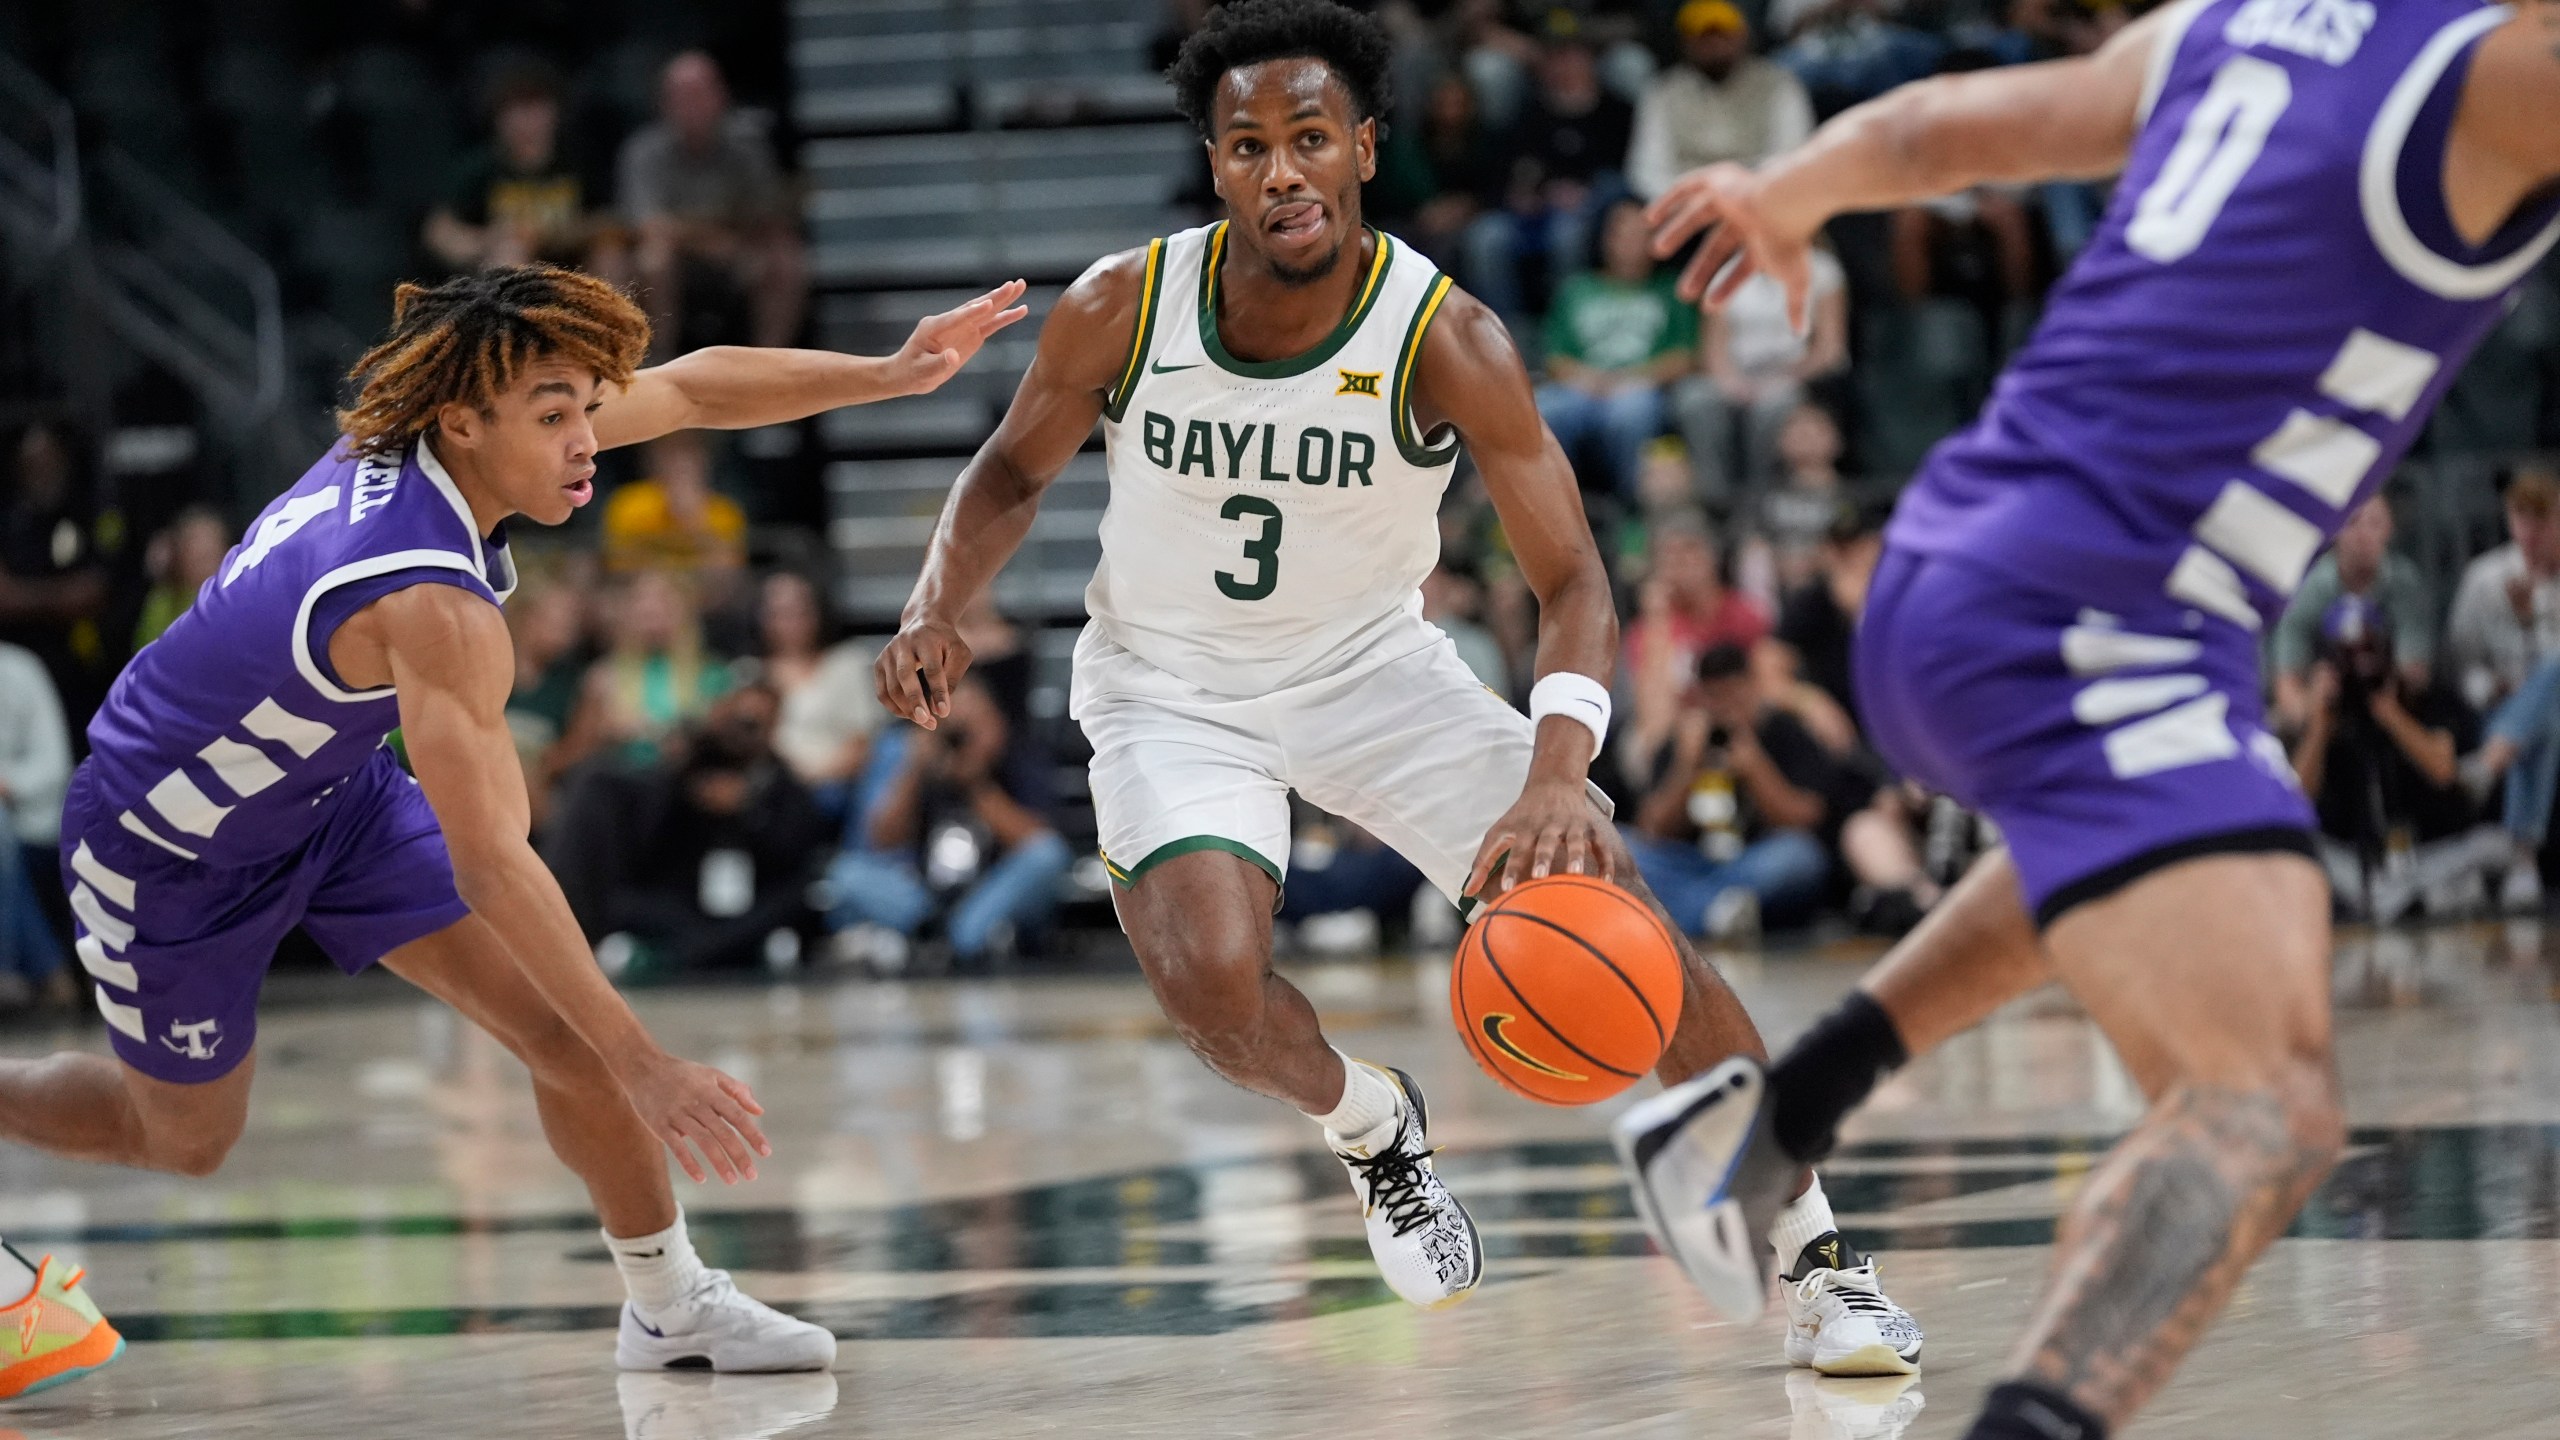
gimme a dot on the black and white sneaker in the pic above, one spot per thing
(1424, 1240)
(1709, 1180)
(1839, 1320)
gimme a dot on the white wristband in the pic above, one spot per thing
(1576, 697)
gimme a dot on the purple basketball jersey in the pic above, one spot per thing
(2273, 304)
(220, 739)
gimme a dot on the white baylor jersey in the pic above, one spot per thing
(1269, 522)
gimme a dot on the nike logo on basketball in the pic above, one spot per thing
(1493, 1023)
(1161, 368)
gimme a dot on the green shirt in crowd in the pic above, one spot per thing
(1609, 324)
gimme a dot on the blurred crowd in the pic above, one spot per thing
(717, 789)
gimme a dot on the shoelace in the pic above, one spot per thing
(1395, 1184)
(1863, 1298)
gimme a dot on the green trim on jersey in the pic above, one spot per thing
(1400, 398)
(1172, 848)
(1116, 404)
(1299, 364)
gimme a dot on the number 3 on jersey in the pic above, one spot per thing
(1263, 549)
(2223, 137)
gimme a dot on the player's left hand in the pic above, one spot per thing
(943, 343)
(1555, 826)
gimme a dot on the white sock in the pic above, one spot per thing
(1806, 1219)
(1369, 1101)
(17, 1275)
(657, 1270)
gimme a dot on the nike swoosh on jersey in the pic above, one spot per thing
(1161, 368)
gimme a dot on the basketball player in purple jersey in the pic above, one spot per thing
(238, 785)
(2323, 207)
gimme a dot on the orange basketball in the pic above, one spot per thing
(1566, 989)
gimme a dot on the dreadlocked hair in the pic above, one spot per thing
(465, 341)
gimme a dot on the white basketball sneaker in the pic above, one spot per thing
(1424, 1240)
(718, 1328)
(1839, 1320)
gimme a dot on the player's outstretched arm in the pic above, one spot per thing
(1084, 347)
(734, 387)
(449, 653)
(1470, 377)
(2060, 119)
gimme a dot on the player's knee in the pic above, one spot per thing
(1214, 1001)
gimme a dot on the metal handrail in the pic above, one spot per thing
(51, 182)
(168, 315)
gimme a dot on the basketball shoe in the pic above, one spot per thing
(54, 1335)
(1424, 1240)
(718, 1328)
(1839, 1320)
(1709, 1180)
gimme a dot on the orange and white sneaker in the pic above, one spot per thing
(54, 1335)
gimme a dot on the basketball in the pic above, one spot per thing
(1566, 989)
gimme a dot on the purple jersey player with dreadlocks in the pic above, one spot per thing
(2322, 209)
(238, 786)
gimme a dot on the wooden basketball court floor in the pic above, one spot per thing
(1030, 1212)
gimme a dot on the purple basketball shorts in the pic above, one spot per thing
(2105, 743)
(179, 948)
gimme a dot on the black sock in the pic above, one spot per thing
(1829, 1072)
(2024, 1410)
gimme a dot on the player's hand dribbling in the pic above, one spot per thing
(917, 669)
(1555, 827)
(693, 1107)
(1746, 236)
(943, 343)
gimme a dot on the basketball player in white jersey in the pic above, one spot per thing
(1283, 396)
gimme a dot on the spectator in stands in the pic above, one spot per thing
(2378, 755)
(1795, 516)
(1758, 372)
(53, 587)
(2360, 564)
(955, 826)
(1730, 830)
(1720, 103)
(179, 560)
(548, 622)
(1346, 886)
(2506, 612)
(1452, 600)
(1436, 178)
(656, 676)
(1804, 664)
(1846, 51)
(722, 846)
(673, 520)
(35, 770)
(520, 198)
(1566, 152)
(1616, 338)
(1684, 609)
(830, 708)
(720, 255)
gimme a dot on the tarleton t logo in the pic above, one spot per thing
(1359, 382)
(1493, 1023)
(193, 1033)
